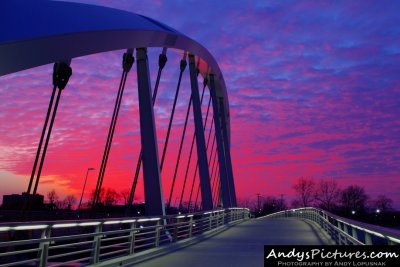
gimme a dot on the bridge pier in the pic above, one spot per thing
(227, 151)
(205, 185)
(225, 187)
(154, 200)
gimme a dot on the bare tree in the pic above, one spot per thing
(354, 198)
(247, 203)
(383, 203)
(305, 187)
(273, 204)
(125, 196)
(101, 196)
(70, 200)
(327, 194)
(111, 197)
(296, 203)
(52, 197)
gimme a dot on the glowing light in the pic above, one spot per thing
(89, 223)
(64, 225)
(30, 227)
(128, 221)
(112, 222)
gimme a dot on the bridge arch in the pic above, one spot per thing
(44, 32)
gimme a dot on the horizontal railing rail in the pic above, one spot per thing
(85, 242)
(342, 230)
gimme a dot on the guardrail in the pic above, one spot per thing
(88, 242)
(342, 230)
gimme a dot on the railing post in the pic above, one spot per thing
(96, 244)
(175, 238)
(339, 234)
(223, 217)
(44, 247)
(368, 240)
(345, 229)
(326, 223)
(190, 226)
(210, 221)
(354, 233)
(132, 238)
(158, 230)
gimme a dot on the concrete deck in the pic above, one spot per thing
(243, 244)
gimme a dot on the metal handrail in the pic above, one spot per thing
(342, 230)
(91, 241)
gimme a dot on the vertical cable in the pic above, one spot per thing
(127, 62)
(108, 142)
(61, 74)
(179, 153)
(47, 141)
(39, 148)
(183, 65)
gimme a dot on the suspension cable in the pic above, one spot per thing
(61, 74)
(39, 148)
(107, 146)
(162, 60)
(218, 186)
(183, 65)
(127, 62)
(214, 166)
(205, 81)
(191, 190)
(214, 169)
(197, 197)
(186, 173)
(179, 152)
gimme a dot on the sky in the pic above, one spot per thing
(314, 91)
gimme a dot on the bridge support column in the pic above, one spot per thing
(151, 167)
(205, 185)
(227, 147)
(225, 191)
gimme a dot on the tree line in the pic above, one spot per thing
(107, 197)
(328, 195)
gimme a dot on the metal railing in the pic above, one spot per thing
(88, 242)
(342, 230)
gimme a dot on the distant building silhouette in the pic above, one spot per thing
(16, 201)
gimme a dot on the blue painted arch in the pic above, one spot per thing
(34, 33)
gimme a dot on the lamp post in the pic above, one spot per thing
(84, 185)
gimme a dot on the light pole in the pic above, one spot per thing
(84, 185)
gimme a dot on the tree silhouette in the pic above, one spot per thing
(383, 203)
(125, 196)
(305, 187)
(327, 194)
(354, 198)
(52, 197)
(111, 197)
(70, 200)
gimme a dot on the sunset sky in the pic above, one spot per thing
(314, 90)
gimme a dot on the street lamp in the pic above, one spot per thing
(84, 185)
